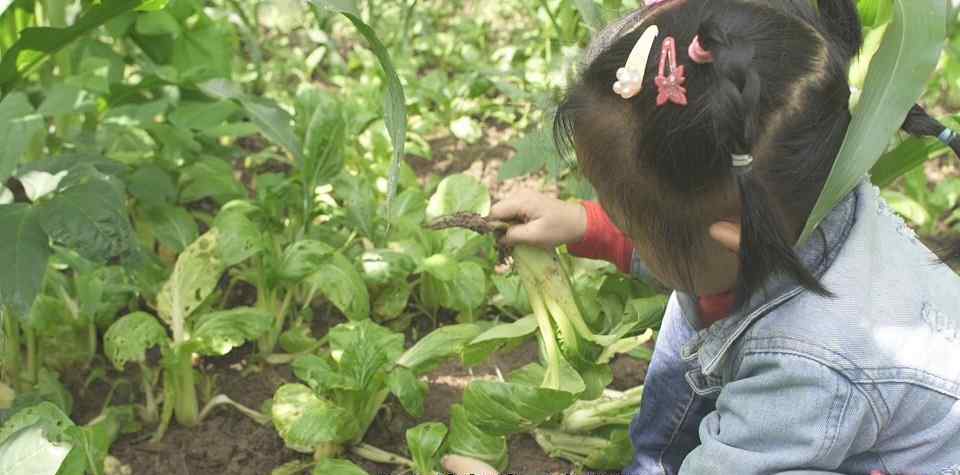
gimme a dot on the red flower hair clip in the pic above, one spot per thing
(671, 87)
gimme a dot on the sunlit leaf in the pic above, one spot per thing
(424, 442)
(219, 332)
(129, 338)
(469, 440)
(306, 422)
(898, 74)
(508, 408)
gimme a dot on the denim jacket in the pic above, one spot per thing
(799, 383)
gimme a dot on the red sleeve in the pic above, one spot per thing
(603, 240)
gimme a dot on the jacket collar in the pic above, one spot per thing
(711, 345)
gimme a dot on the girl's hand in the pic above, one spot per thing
(547, 222)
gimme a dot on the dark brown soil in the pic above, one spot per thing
(230, 443)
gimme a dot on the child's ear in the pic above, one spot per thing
(727, 234)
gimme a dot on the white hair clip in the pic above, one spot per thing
(630, 77)
(742, 164)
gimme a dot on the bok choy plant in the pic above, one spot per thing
(195, 329)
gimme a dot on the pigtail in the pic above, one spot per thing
(842, 21)
(919, 124)
(765, 247)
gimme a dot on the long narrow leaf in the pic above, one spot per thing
(591, 13)
(394, 109)
(897, 76)
(36, 45)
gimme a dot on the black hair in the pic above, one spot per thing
(777, 89)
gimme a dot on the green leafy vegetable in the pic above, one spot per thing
(425, 441)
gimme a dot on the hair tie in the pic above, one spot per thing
(697, 53)
(947, 136)
(630, 76)
(742, 164)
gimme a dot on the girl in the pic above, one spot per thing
(708, 128)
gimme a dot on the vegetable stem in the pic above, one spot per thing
(11, 361)
(376, 455)
(150, 413)
(224, 400)
(32, 368)
(186, 407)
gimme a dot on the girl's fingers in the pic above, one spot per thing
(507, 210)
(529, 233)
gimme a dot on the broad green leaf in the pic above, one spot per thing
(408, 389)
(347, 335)
(90, 218)
(210, 177)
(306, 422)
(324, 144)
(219, 332)
(240, 237)
(158, 23)
(615, 456)
(129, 338)
(28, 451)
(24, 251)
(340, 282)
(408, 210)
(459, 193)
(303, 258)
(534, 374)
(38, 44)
(508, 331)
(297, 340)
(63, 98)
(508, 408)
(338, 466)
(202, 115)
(898, 74)
(392, 300)
(440, 344)
(274, 122)
(442, 267)
(174, 227)
(321, 374)
(470, 441)
(424, 442)
(532, 152)
(19, 123)
(92, 442)
(152, 186)
(48, 389)
(395, 111)
(204, 51)
(468, 291)
(194, 278)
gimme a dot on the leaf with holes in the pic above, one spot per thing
(215, 334)
(129, 338)
(194, 278)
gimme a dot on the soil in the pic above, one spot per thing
(229, 443)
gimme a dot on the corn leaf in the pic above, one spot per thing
(394, 109)
(898, 74)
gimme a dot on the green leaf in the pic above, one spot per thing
(526, 326)
(459, 193)
(469, 290)
(194, 278)
(24, 251)
(29, 451)
(395, 111)
(38, 44)
(240, 238)
(470, 441)
(324, 144)
(440, 344)
(219, 332)
(441, 266)
(303, 258)
(615, 456)
(338, 466)
(339, 281)
(320, 374)
(210, 177)
(508, 408)
(383, 267)
(591, 13)
(152, 186)
(408, 389)
(347, 335)
(173, 226)
(424, 442)
(129, 338)
(907, 156)
(274, 122)
(202, 116)
(306, 422)
(19, 123)
(392, 300)
(898, 74)
(157, 23)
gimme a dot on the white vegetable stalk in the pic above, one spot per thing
(585, 416)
